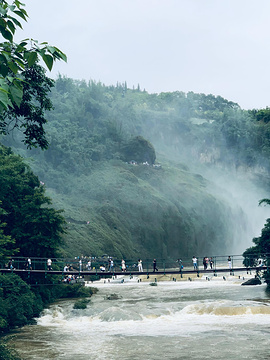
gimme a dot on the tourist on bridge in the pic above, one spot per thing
(229, 262)
(181, 267)
(66, 268)
(70, 267)
(102, 268)
(195, 264)
(89, 265)
(28, 264)
(123, 265)
(211, 262)
(49, 264)
(140, 267)
(155, 265)
(10, 265)
(111, 265)
(205, 263)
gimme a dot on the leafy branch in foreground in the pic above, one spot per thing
(15, 61)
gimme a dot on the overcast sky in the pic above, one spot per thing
(218, 47)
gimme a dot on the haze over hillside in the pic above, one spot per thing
(202, 196)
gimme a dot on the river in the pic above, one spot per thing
(186, 320)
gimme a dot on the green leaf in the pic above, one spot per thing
(16, 22)
(12, 7)
(23, 43)
(3, 11)
(4, 70)
(7, 34)
(4, 98)
(32, 58)
(16, 94)
(10, 78)
(60, 54)
(48, 59)
(13, 67)
(3, 85)
(2, 108)
(3, 23)
(6, 55)
(18, 3)
(21, 14)
(11, 26)
(51, 49)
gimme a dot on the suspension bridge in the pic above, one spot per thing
(79, 267)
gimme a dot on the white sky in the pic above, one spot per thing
(218, 47)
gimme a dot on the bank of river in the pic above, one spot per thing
(214, 319)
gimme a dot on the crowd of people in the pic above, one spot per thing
(107, 264)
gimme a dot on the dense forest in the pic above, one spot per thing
(135, 172)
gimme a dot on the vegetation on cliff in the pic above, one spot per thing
(113, 206)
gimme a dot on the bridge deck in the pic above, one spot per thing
(116, 273)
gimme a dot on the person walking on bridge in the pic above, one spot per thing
(49, 264)
(195, 264)
(230, 262)
(180, 263)
(111, 265)
(28, 264)
(140, 267)
(89, 264)
(155, 265)
(123, 265)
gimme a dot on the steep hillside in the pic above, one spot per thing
(121, 209)
(138, 210)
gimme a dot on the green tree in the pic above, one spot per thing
(17, 302)
(19, 74)
(261, 248)
(29, 217)
(6, 242)
(139, 149)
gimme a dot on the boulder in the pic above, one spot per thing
(254, 281)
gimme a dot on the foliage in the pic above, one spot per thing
(81, 304)
(261, 250)
(74, 291)
(28, 217)
(29, 115)
(262, 115)
(6, 242)
(139, 149)
(19, 75)
(264, 201)
(7, 353)
(17, 302)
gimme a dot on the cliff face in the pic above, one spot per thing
(134, 211)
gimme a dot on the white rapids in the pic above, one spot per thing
(173, 320)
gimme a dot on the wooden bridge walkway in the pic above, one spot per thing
(133, 273)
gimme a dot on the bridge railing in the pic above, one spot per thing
(80, 264)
